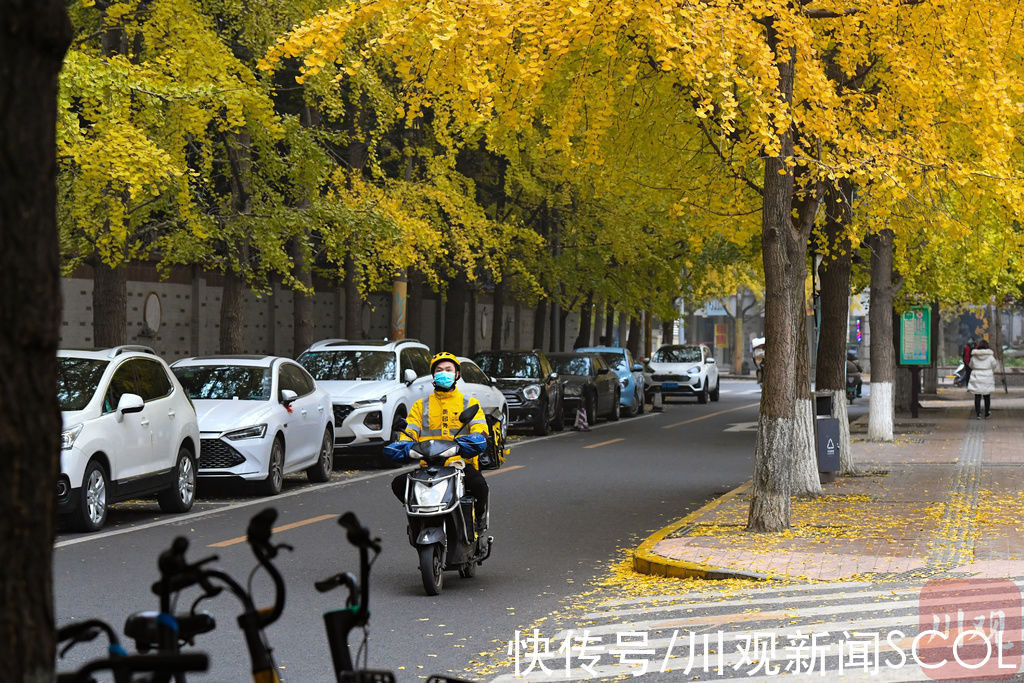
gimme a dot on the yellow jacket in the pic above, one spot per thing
(437, 417)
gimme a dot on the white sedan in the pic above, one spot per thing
(473, 382)
(260, 418)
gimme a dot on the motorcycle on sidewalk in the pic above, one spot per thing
(442, 523)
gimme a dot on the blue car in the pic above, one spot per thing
(630, 373)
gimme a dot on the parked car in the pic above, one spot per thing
(371, 385)
(260, 418)
(129, 431)
(474, 383)
(530, 386)
(589, 382)
(686, 370)
(631, 376)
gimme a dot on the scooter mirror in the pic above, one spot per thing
(467, 415)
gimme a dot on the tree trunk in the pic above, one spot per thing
(737, 339)
(414, 306)
(805, 479)
(609, 325)
(623, 329)
(783, 252)
(302, 302)
(648, 330)
(633, 340)
(455, 316)
(931, 374)
(834, 276)
(109, 305)
(667, 331)
(498, 324)
(540, 318)
(33, 37)
(231, 314)
(883, 353)
(598, 324)
(353, 302)
(583, 336)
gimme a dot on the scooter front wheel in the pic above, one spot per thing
(431, 568)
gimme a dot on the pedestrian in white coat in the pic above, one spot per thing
(983, 377)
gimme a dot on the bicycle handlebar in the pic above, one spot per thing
(159, 662)
(357, 534)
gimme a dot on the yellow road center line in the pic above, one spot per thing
(704, 417)
(503, 469)
(604, 443)
(283, 527)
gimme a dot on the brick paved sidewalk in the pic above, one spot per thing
(946, 497)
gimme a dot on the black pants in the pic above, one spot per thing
(474, 481)
(977, 403)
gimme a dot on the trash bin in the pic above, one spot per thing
(826, 431)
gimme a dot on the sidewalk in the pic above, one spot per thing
(945, 498)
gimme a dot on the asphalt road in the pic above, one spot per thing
(562, 509)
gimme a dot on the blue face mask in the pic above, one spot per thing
(444, 379)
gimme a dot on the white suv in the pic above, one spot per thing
(129, 430)
(686, 370)
(371, 383)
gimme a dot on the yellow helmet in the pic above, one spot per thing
(444, 355)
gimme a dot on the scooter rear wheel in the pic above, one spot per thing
(431, 570)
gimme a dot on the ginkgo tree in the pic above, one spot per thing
(764, 82)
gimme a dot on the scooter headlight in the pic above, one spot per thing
(429, 496)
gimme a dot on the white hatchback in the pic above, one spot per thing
(260, 418)
(129, 430)
(686, 370)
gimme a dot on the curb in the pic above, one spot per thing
(645, 561)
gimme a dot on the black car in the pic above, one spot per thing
(590, 382)
(530, 386)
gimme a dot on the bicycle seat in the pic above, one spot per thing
(142, 627)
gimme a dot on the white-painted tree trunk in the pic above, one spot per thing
(881, 412)
(840, 411)
(770, 499)
(806, 481)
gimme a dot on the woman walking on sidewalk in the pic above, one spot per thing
(983, 377)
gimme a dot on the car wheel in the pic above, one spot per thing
(399, 414)
(542, 427)
(702, 397)
(641, 403)
(272, 485)
(321, 470)
(91, 512)
(616, 407)
(559, 422)
(634, 409)
(716, 391)
(182, 494)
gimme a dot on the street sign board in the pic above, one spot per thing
(916, 336)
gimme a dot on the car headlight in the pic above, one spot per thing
(68, 436)
(254, 432)
(695, 370)
(532, 392)
(424, 494)
(371, 402)
(573, 389)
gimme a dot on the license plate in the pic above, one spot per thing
(670, 385)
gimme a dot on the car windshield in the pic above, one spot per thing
(571, 365)
(616, 361)
(350, 365)
(77, 380)
(526, 366)
(225, 382)
(677, 354)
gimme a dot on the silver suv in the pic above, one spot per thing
(129, 430)
(371, 384)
